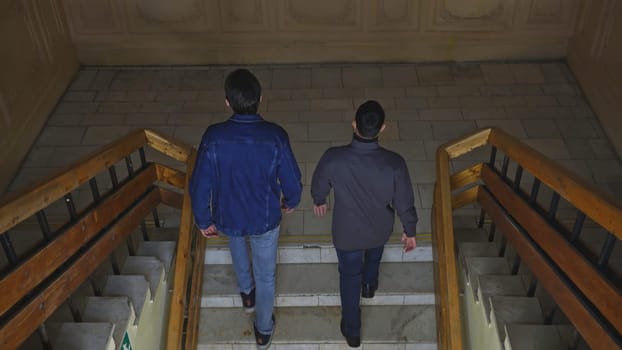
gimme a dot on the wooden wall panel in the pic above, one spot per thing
(595, 56)
(37, 47)
(297, 31)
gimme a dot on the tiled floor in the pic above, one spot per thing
(426, 105)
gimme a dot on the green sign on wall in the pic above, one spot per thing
(125, 344)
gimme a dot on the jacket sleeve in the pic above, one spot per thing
(289, 176)
(320, 184)
(404, 199)
(201, 189)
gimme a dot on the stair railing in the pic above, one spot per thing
(35, 284)
(581, 282)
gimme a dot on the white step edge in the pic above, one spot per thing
(322, 253)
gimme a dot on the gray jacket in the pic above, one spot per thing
(370, 183)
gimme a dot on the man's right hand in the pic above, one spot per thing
(320, 210)
(210, 232)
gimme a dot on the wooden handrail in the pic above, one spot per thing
(585, 196)
(182, 268)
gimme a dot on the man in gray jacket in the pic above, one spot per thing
(370, 185)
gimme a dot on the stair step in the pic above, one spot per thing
(534, 337)
(116, 310)
(384, 327)
(318, 284)
(148, 266)
(470, 235)
(163, 250)
(505, 310)
(135, 287)
(509, 285)
(322, 253)
(481, 249)
(164, 234)
(476, 266)
(85, 335)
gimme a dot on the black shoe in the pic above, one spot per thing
(368, 290)
(248, 301)
(353, 342)
(264, 340)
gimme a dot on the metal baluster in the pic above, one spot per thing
(7, 246)
(549, 318)
(493, 156)
(71, 206)
(44, 225)
(503, 246)
(516, 265)
(606, 251)
(578, 226)
(43, 334)
(130, 166)
(491, 232)
(553, 207)
(156, 218)
(517, 178)
(482, 217)
(143, 157)
(504, 167)
(115, 264)
(535, 188)
(94, 190)
(113, 177)
(533, 285)
(143, 229)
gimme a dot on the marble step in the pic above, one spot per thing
(85, 335)
(305, 253)
(507, 310)
(151, 268)
(163, 250)
(135, 287)
(315, 328)
(318, 285)
(116, 310)
(537, 337)
(470, 235)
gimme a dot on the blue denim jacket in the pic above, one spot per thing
(243, 165)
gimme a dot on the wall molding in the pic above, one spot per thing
(293, 31)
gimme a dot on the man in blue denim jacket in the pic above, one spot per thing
(243, 165)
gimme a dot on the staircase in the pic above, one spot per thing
(498, 311)
(123, 310)
(307, 311)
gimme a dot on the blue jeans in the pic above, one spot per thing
(263, 255)
(356, 267)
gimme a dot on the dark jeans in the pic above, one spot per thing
(356, 267)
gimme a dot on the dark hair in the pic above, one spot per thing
(243, 91)
(369, 119)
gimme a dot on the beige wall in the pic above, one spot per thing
(595, 56)
(37, 62)
(273, 31)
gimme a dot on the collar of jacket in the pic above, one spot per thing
(246, 118)
(361, 143)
